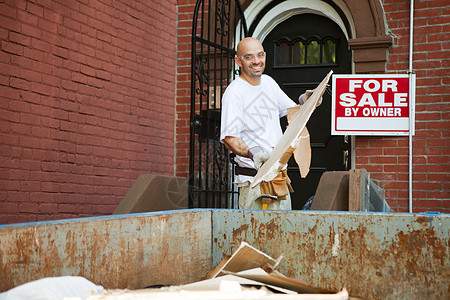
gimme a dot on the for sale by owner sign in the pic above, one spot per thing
(372, 104)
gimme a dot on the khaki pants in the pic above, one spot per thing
(248, 195)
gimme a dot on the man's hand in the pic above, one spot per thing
(259, 159)
(258, 156)
(304, 97)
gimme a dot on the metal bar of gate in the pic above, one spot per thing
(210, 182)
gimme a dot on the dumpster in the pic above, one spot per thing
(372, 255)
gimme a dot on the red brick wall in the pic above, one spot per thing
(87, 103)
(183, 106)
(387, 158)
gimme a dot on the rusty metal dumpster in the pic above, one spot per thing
(373, 255)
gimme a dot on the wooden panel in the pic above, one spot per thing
(283, 151)
(358, 190)
(354, 190)
(332, 192)
(153, 192)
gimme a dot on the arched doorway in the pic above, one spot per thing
(362, 23)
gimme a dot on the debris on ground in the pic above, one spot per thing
(54, 288)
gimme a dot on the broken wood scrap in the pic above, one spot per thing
(285, 147)
(292, 284)
(244, 258)
(302, 149)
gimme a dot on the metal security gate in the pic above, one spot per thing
(217, 26)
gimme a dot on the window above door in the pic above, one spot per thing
(305, 52)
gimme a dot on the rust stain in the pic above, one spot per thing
(422, 219)
(23, 243)
(240, 231)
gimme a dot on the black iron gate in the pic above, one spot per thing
(217, 26)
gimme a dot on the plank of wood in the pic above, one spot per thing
(286, 146)
(244, 258)
(293, 284)
(216, 283)
(354, 190)
(358, 190)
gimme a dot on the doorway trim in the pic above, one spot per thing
(287, 9)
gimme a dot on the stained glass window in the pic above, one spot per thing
(329, 52)
(313, 53)
(301, 52)
(283, 54)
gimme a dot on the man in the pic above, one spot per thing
(252, 106)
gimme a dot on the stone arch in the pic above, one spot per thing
(366, 27)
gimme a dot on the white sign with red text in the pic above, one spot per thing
(372, 104)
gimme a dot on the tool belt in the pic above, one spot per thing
(238, 170)
(275, 190)
(280, 186)
(245, 171)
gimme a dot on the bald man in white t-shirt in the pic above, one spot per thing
(252, 106)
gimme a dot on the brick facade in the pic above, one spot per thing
(87, 103)
(386, 159)
(183, 86)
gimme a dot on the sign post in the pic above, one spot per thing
(373, 105)
(382, 105)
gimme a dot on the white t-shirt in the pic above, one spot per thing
(252, 113)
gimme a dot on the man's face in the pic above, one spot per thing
(251, 58)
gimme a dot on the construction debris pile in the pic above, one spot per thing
(247, 274)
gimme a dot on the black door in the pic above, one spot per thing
(300, 52)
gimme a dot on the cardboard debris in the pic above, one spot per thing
(243, 278)
(236, 268)
(250, 284)
(302, 149)
(152, 192)
(292, 284)
(227, 291)
(246, 257)
(55, 288)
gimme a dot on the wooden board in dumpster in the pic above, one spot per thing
(244, 258)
